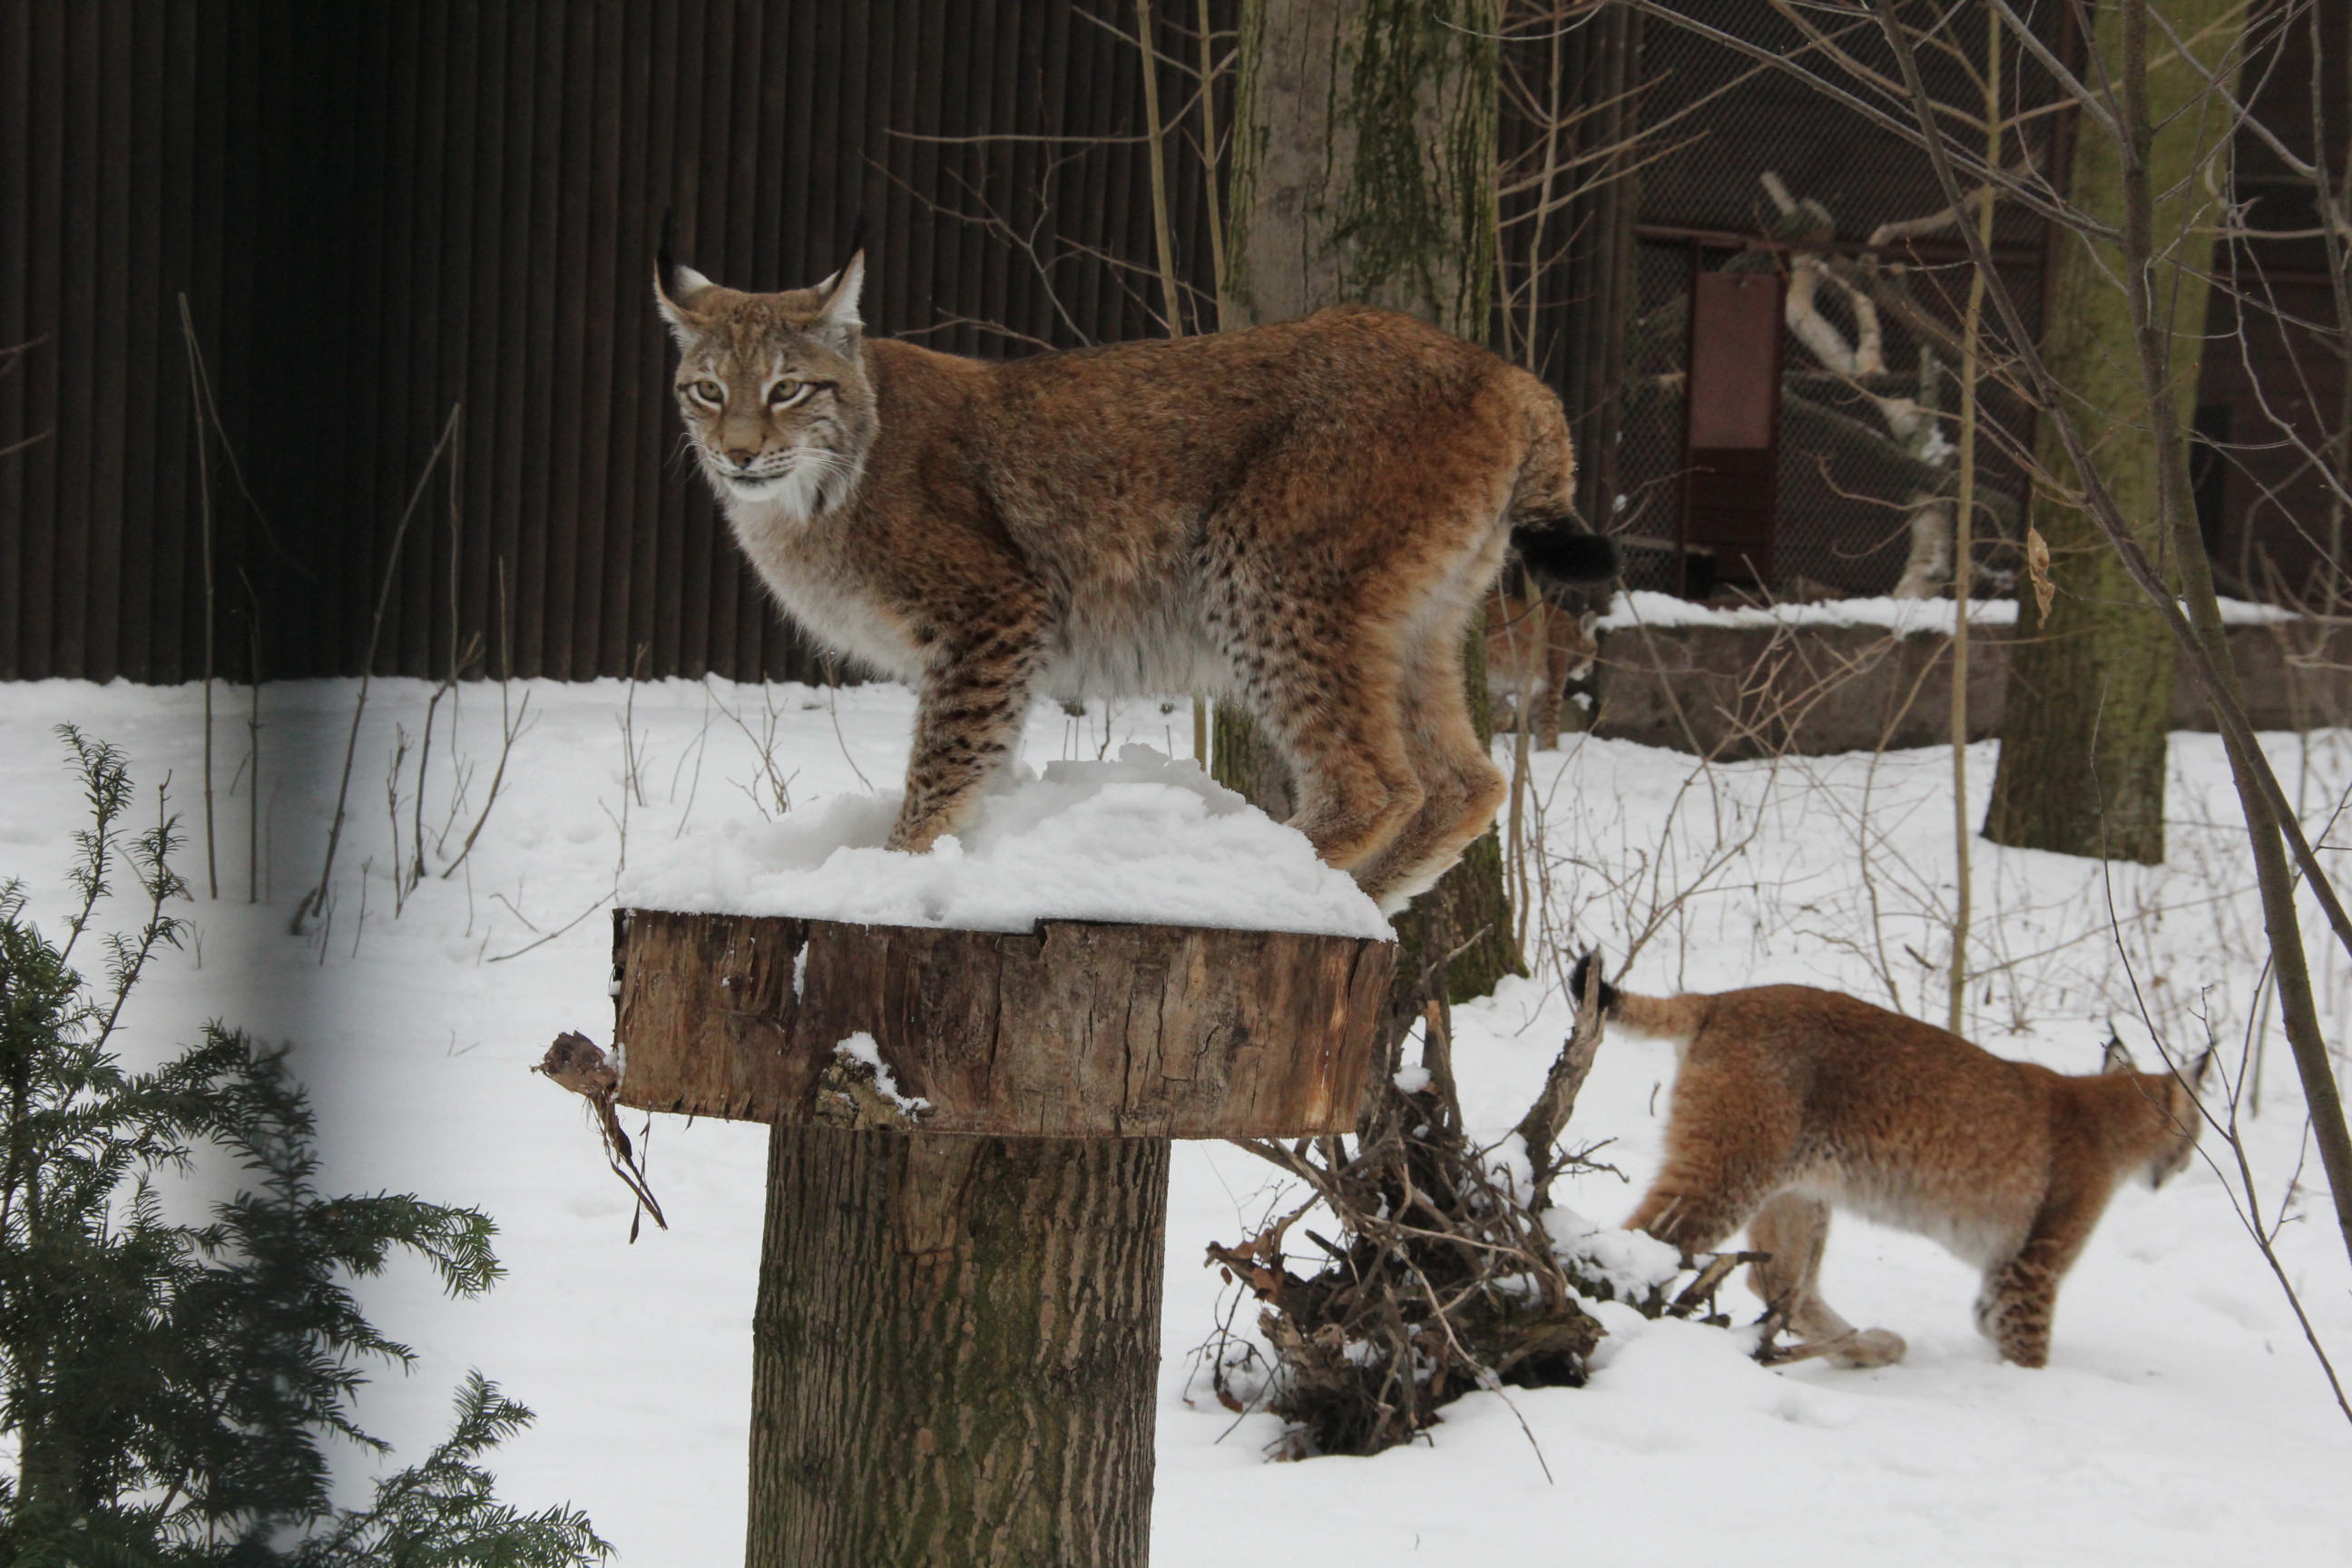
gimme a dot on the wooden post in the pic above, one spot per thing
(956, 1345)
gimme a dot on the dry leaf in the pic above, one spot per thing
(2037, 566)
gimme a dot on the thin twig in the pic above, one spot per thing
(315, 899)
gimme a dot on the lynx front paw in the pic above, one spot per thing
(2013, 1312)
(914, 837)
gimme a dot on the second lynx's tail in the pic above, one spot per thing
(1668, 1017)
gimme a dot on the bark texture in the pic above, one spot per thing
(1078, 1029)
(2082, 767)
(1364, 171)
(954, 1350)
(1364, 164)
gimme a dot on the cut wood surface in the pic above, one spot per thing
(1077, 1029)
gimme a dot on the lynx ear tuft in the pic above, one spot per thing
(2116, 1057)
(2199, 1071)
(676, 289)
(839, 318)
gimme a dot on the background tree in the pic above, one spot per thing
(2154, 70)
(2090, 700)
(1363, 168)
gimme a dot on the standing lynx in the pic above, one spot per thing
(1790, 1100)
(1300, 518)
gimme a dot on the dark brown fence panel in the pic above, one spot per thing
(2272, 407)
(381, 210)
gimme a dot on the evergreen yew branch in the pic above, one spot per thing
(167, 1388)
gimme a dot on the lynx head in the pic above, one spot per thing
(773, 387)
(2175, 1095)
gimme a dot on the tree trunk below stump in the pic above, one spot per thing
(955, 1351)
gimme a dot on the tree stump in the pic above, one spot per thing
(956, 1345)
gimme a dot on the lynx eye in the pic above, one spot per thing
(708, 391)
(785, 393)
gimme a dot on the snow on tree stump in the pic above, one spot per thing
(956, 1345)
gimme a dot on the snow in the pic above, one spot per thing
(1631, 1263)
(2183, 1421)
(1911, 617)
(1143, 838)
(863, 1048)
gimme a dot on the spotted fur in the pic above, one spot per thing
(1791, 1100)
(1301, 518)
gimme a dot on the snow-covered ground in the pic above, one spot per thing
(1644, 607)
(2183, 1418)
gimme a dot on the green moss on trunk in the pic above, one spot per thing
(1415, 219)
(1364, 171)
(2081, 766)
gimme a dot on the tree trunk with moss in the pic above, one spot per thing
(1363, 171)
(954, 1350)
(2082, 767)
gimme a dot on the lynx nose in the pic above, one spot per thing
(741, 456)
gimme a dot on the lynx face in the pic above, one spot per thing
(774, 389)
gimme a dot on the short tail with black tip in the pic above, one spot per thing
(1667, 1017)
(1556, 551)
(1552, 546)
(1581, 976)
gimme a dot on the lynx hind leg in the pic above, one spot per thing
(1693, 1210)
(1326, 691)
(1792, 1231)
(1545, 706)
(1461, 788)
(1729, 1149)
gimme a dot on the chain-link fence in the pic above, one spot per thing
(1756, 172)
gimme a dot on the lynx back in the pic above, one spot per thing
(1301, 519)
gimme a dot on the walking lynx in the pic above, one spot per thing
(1791, 1100)
(1300, 518)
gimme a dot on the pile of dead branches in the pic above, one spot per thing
(1443, 1276)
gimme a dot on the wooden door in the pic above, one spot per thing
(1731, 435)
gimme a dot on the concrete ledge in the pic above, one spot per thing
(1736, 691)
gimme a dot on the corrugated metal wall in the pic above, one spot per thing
(378, 209)
(382, 208)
